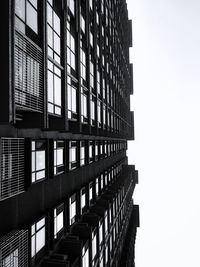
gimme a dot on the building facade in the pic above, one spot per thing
(65, 184)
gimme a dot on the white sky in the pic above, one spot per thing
(166, 150)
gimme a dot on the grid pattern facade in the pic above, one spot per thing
(65, 184)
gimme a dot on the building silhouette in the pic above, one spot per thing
(65, 184)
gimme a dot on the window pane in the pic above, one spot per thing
(31, 17)
(70, 4)
(73, 154)
(59, 222)
(73, 209)
(40, 160)
(73, 61)
(72, 44)
(32, 246)
(50, 87)
(59, 156)
(34, 3)
(40, 175)
(94, 248)
(56, 23)
(50, 36)
(85, 105)
(83, 201)
(33, 161)
(69, 97)
(73, 99)
(40, 224)
(82, 152)
(20, 8)
(57, 85)
(40, 239)
(57, 43)
(49, 15)
(20, 25)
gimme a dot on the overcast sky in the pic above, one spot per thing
(166, 150)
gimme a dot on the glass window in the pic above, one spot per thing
(113, 210)
(37, 236)
(82, 22)
(91, 154)
(71, 46)
(82, 153)
(38, 160)
(106, 254)
(98, 83)
(108, 148)
(106, 179)
(94, 244)
(72, 96)
(53, 33)
(54, 53)
(92, 110)
(101, 149)
(110, 216)
(54, 89)
(83, 200)
(91, 193)
(106, 222)
(97, 18)
(83, 64)
(71, 6)
(32, 16)
(100, 233)
(111, 247)
(72, 209)
(96, 150)
(91, 4)
(105, 148)
(58, 220)
(26, 12)
(97, 186)
(91, 73)
(85, 256)
(72, 155)
(91, 39)
(99, 112)
(98, 52)
(84, 98)
(102, 185)
(58, 157)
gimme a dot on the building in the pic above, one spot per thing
(65, 184)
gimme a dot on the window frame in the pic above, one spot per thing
(83, 199)
(34, 161)
(54, 55)
(73, 164)
(82, 153)
(58, 233)
(33, 235)
(72, 199)
(56, 165)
